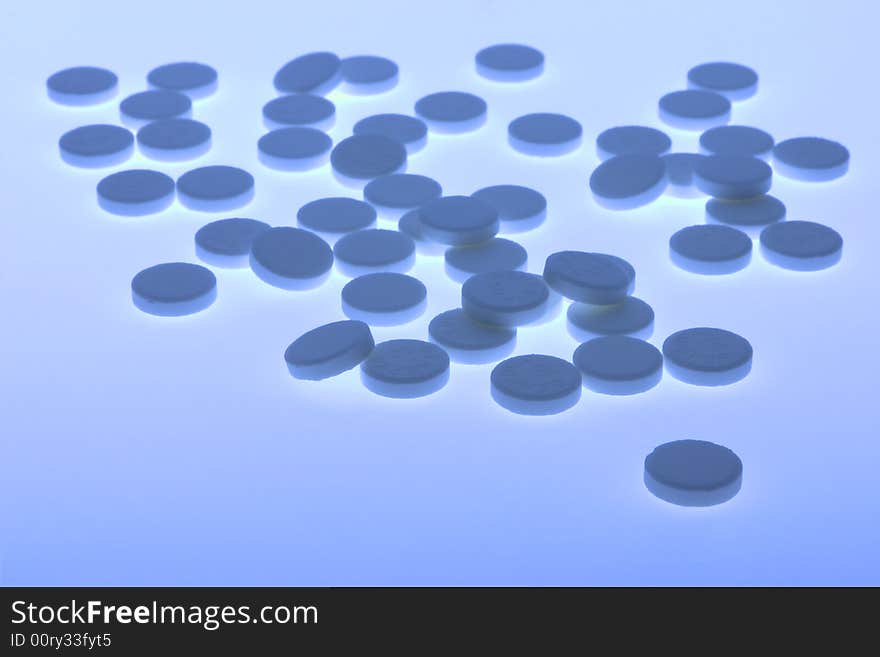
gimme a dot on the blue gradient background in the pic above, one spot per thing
(144, 450)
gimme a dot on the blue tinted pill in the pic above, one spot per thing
(734, 81)
(174, 288)
(544, 134)
(707, 356)
(290, 258)
(360, 158)
(384, 298)
(693, 473)
(736, 140)
(405, 369)
(336, 215)
(625, 182)
(227, 242)
(215, 188)
(366, 251)
(399, 192)
(452, 111)
(82, 85)
(519, 208)
(748, 215)
(316, 73)
(801, 245)
(407, 130)
(680, 173)
(174, 139)
(733, 177)
(194, 79)
(509, 62)
(467, 341)
(596, 278)
(631, 316)
(368, 74)
(411, 224)
(135, 192)
(329, 350)
(710, 249)
(506, 298)
(458, 220)
(694, 109)
(302, 110)
(294, 148)
(619, 365)
(811, 159)
(535, 384)
(96, 145)
(146, 106)
(632, 139)
(496, 254)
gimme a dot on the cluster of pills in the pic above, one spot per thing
(497, 295)
(733, 169)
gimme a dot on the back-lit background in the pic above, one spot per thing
(148, 450)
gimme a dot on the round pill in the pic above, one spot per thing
(544, 134)
(596, 278)
(680, 174)
(736, 140)
(294, 148)
(452, 111)
(496, 254)
(710, 249)
(519, 208)
(290, 258)
(366, 251)
(336, 215)
(394, 194)
(411, 224)
(510, 62)
(142, 108)
(329, 350)
(631, 316)
(733, 177)
(360, 158)
(174, 139)
(801, 245)
(384, 298)
(619, 365)
(82, 85)
(735, 81)
(625, 182)
(693, 473)
(194, 79)
(694, 109)
(505, 298)
(749, 215)
(215, 188)
(227, 242)
(707, 356)
(406, 130)
(467, 341)
(536, 384)
(314, 73)
(136, 192)
(96, 145)
(368, 74)
(458, 220)
(632, 139)
(173, 289)
(811, 159)
(301, 110)
(405, 369)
